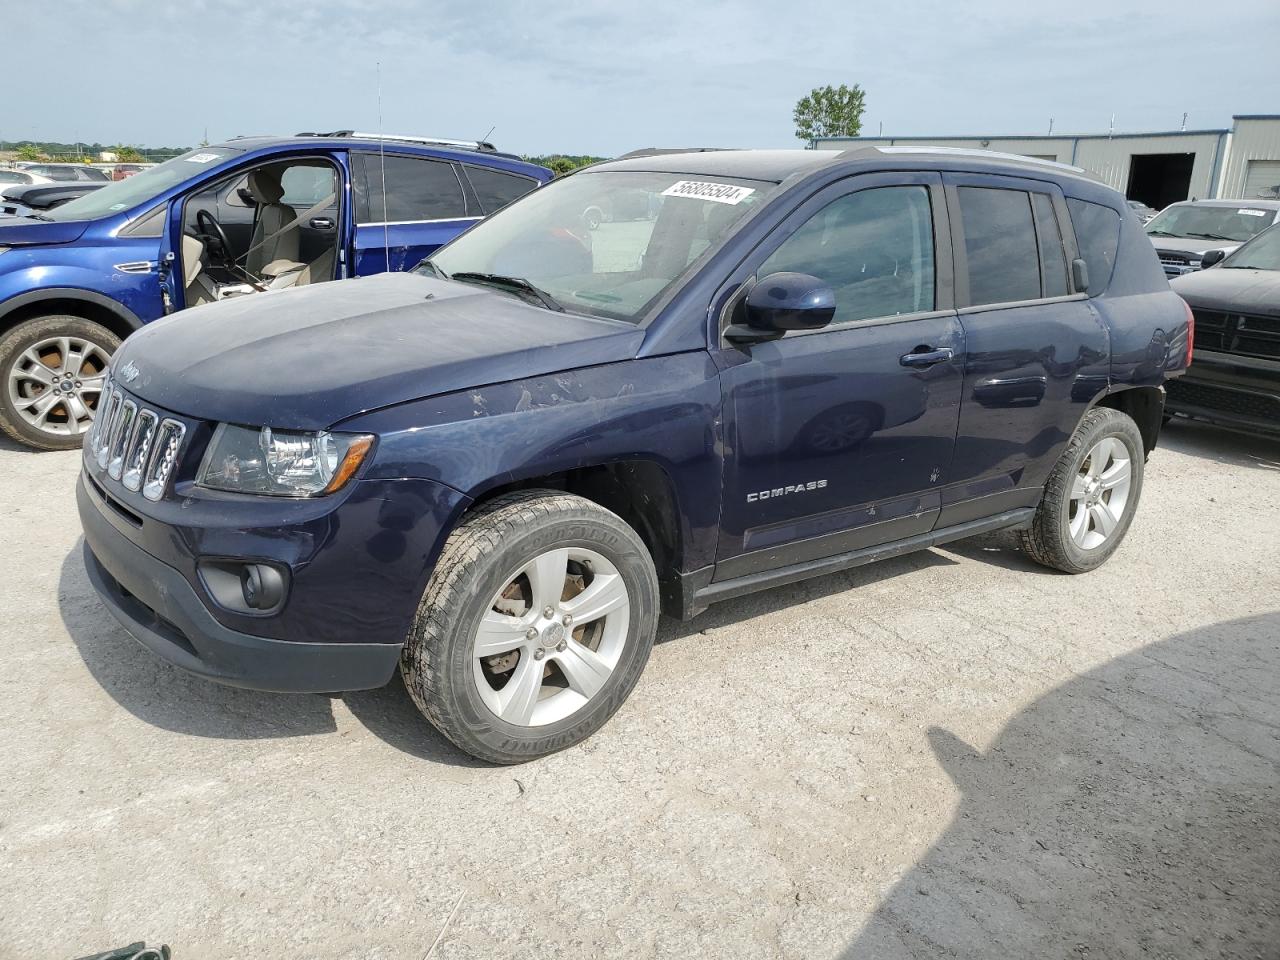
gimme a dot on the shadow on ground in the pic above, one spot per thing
(1198, 439)
(1132, 812)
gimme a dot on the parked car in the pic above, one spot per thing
(63, 172)
(240, 218)
(123, 171)
(1234, 378)
(25, 201)
(1182, 232)
(495, 470)
(1143, 212)
(15, 177)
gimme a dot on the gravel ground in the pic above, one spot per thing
(952, 754)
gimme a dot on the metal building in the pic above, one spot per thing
(1156, 168)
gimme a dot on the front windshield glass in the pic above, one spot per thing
(1262, 254)
(141, 187)
(606, 243)
(1211, 223)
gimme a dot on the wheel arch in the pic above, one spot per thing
(1142, 404)
(639, 490)
(95, 307)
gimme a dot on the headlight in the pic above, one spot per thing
(281, 463)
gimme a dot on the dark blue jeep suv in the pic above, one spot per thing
(494, 471)
(247, 216)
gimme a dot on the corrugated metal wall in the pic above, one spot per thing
(1252, 139)
(1109, 159)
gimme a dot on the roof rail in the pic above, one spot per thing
(974, 152)
(483, 146)
(659, 151)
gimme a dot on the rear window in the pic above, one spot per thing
(416, 190)
(1097, 231)
(495, 189)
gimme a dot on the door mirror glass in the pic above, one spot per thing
(789, 301)
(1211, 257)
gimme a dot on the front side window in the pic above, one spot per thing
(1262, 253)
(1097, 231)
(416, 189)
(999, 245)
(873, 248)
(495, 188)
(1236, 223)
(557, 240)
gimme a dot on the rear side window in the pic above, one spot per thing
(416, 189)
(1098, 237)
(999, 245)
(496, 189)
(874, 248)
(1053, 258)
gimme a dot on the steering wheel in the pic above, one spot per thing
(211, 229)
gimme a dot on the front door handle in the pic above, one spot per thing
(322, 223)
(923, 356)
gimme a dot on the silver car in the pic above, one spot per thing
(1182, 232)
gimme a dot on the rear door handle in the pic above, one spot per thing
(926, 356)
(322, 223)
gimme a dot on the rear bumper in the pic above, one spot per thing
(1240, 392)
(156, 604)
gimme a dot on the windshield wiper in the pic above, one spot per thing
(1212, 236)
(509, 283)
(1162, 233)
(38, 216)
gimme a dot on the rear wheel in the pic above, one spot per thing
(1091, 495)
(535, 626)
(52, 370)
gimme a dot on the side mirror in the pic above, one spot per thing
(782, 302)
(246, 197)
(1080, 275)
(1211, 257)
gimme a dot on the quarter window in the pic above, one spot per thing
(496, 189)
(1098, 236)
(416, 189)
(874, 248)
(999, 245)
(1053, 258)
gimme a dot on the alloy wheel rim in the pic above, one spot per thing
(551, 637)
(56, 383)
(1100, 493)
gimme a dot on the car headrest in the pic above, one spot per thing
(265, 186)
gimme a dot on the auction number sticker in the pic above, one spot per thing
(201, 157)
(715, 192)
(1252, 213)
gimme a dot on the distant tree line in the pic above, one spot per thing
(562, 163)
(37, 150)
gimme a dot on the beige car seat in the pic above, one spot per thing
(266, 189)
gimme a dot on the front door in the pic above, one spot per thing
(841, 438)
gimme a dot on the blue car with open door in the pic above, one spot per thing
(251, 215)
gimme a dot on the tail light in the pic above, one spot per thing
(1191, 331)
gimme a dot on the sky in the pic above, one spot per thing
(604, 78)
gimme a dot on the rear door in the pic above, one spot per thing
(409, 212)
(840, 438)
(1037, 352)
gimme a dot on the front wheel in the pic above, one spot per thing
(535, 626)
(1091, 495)
(52, 371)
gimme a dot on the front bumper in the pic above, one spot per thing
(156, 604)
(1235, 391)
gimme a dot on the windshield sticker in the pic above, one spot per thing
(1253, 213)
(116, 206)
(716, 192)
(201, 157)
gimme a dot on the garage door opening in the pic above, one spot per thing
(1159, 179)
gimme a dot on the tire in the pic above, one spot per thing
(32, 355)
(1059, 536)
(483, 704)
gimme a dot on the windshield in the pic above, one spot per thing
(1262, 254)
(606, 243)
(141, 187)
(1211, 223)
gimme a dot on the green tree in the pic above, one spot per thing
(30, 153)
(127, 154)
(830, 112)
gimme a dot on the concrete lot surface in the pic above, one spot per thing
(953, 754)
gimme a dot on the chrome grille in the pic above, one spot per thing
(135, 445)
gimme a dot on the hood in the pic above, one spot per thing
(1231, 291)
(24, 231)
(1191, 244)
(40, 196)
(310, 357)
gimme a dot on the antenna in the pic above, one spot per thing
(1051, 126)
(382, 162)
(485, 138)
